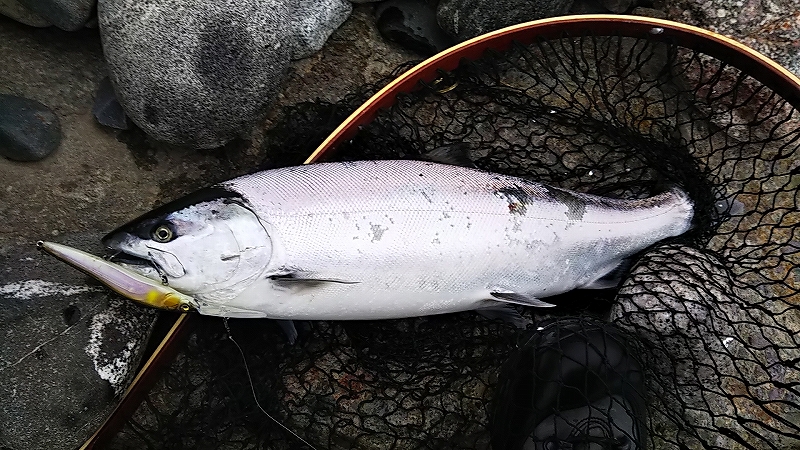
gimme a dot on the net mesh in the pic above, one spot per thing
(712, 317)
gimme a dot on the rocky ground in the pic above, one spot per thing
(100, 177)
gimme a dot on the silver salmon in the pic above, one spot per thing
(388, 239)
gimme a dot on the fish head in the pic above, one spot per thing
(210, 244)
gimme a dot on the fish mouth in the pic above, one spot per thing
(117, 251)
(120, 257)
(145, 266)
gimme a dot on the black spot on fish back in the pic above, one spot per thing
(518, 199)
(576, 206)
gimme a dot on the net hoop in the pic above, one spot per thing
(727, 50)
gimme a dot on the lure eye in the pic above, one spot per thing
(162, 234)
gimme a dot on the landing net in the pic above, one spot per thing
(714, 313)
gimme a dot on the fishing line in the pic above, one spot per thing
(253, 388)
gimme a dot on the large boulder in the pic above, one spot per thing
(723, 355)
(195, 73)
(201, 73)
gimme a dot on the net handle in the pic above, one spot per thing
(727, 50)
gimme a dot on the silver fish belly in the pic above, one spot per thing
(392, 239)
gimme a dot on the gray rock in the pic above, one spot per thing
(771, 28)
(107, 109)
(618, 6)
(412, 24)
(196, 73)
(601, 6)
(29, 130)
(70, 348)
(18, 12)
(588, 7)
(69, 15)
(724, 357)
(314, 21)
(464, 19)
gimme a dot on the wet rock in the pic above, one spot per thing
(464, 19)
(107, 109)
(29, 130)
(69, 15)
(314, 21)
(588, 7)
(772, 28)
(724, 356)
(618, 6)
(352, 386)
(412, 24)
(70, 348)
(195, 73)
(735, 101)
(649, 12)
(601, 6)
(18, 12)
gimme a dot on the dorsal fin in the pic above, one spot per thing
(454, 154)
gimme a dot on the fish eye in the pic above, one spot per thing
(162, 234)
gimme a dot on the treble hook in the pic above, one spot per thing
(164, 279)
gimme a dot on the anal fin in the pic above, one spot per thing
(516, 298)
(289, 329)
(612, 278)
(506, 313)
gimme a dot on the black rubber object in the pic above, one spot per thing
(572, 384)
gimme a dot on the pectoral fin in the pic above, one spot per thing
(517, 298)
(298, 282)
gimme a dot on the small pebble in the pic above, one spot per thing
(18, 12)
(69, 15)
(107, 109)
(29, 130)
(464, 19)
